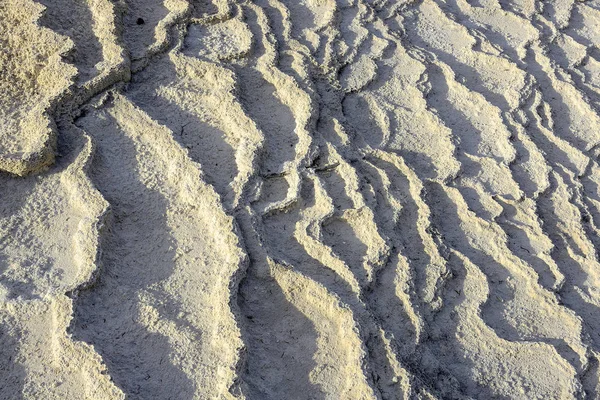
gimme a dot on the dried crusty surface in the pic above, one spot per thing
(299, 199)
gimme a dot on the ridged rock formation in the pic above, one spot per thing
(299, 199)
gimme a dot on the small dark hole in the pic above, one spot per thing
(140, 21)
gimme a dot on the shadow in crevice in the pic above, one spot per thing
(455, 371)
(137, 254)
(280, 341)
(274, 118)
(12, 373)
(573, 291)
(140, 23)
(302, 19)
(521, 244)
(279, 234)
(28, 266)
(363, 119)
(74, 19)
(446, 215)
(14, 193)
(204, 8)
(285, 244)
(470, 137)
(404, 229)
(205, 142)
(339, 235)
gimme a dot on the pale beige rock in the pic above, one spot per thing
(299, 199)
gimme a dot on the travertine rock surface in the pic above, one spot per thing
(299, 199)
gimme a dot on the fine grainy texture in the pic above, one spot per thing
(299, 199)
